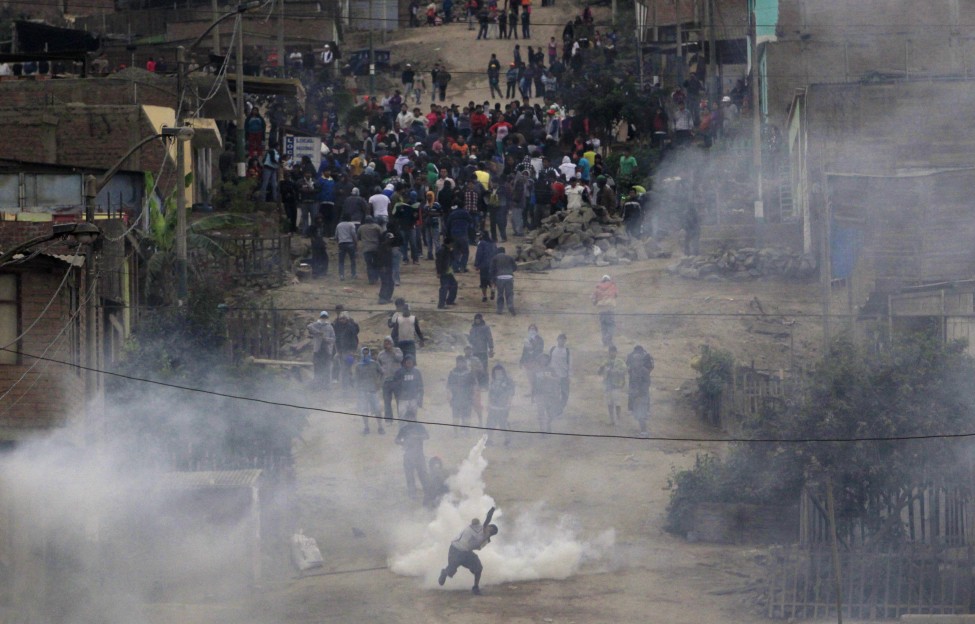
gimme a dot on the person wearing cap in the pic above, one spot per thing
(604, 298)
(632, 213)
(407, 387)
(367, 378)
(323, 345)
(461, 553)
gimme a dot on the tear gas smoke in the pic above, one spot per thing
(533, 542)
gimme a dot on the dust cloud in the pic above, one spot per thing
(533, 543)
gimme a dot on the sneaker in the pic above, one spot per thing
(484, 299)
(443, 576)
(441, 307)
(492, 295)
(476, 590)
(513, 313)
(341, 278)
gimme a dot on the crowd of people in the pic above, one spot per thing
(387, 385)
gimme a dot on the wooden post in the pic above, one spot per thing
(837, 581)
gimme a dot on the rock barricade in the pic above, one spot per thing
(574, 238)
(746, 263)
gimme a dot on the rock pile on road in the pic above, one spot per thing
(746, 263)
(573, 238)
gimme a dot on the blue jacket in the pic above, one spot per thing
(486, 250)
(327, 191)
(459, 222)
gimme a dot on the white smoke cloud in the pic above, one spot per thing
(533, 543)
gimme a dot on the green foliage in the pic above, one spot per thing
(715, 368)
(918, 388)
(236, 196)
(162, 240)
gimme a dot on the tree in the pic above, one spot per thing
(879, 425)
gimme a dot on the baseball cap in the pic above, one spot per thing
(324, 314)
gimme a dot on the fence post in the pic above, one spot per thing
(274, 330)
(838, 585)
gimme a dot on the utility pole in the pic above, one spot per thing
(714, 91)
(372, 56)
(281, 59)
(756, 123)
(90, 294)
(241, 149)
(837, 569)
(181, 285)
(680, 43)
(216, 29)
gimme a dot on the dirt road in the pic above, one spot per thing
(351, 490)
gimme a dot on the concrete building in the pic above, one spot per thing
(802, 42)
(881, 179)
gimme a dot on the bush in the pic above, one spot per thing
(236, 196)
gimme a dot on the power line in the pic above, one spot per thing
(900, 438)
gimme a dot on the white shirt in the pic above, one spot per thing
(405, 119)
(380, 205)
(573, 196)
(568, 170)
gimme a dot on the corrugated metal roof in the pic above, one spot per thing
(210, 479)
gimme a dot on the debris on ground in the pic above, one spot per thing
(745, 264)
(578, 237)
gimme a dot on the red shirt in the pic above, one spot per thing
(389, 161)
(479, 121)
(558, 192)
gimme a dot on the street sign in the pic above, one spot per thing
(298, 146)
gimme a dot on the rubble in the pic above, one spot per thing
(745, 264)
(574, 238)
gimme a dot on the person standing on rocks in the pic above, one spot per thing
(639, 365)
(604, 298)
(502, 270)
(613, 372)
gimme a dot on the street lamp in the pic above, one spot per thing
(73, 233)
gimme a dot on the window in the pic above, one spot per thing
(9, 318)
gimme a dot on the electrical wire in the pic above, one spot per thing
(57, 292)
(563, 434)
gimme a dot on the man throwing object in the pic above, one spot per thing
(461, 553)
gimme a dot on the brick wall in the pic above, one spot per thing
(49, 394)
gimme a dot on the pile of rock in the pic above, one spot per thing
(747, 263)
(573, 238)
